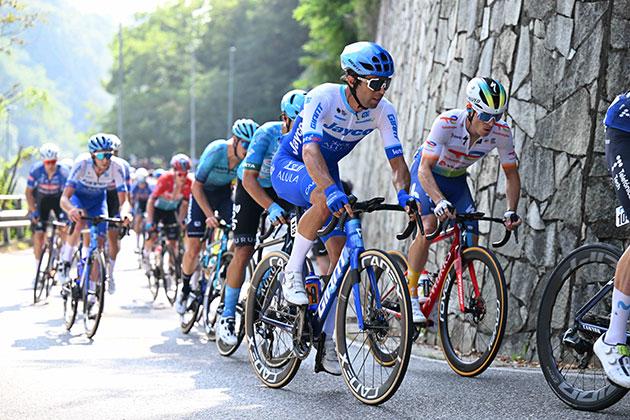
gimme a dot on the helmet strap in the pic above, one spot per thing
(353, 89)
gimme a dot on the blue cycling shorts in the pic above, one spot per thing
(292, 183)
(219, 199)
(454, 189)
(94, 206)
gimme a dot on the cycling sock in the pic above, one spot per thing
(66, 253)
(301, 246)
(329, 324)
(186, 283)
(231, 298)
(112, 263)
(412, 282)
(616, 333)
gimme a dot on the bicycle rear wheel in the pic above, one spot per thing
(565, 350)
(471, 339)
(170, 273)
(270, 347)
(374, 335)
(94, 299)
(192, 311)
(43, 273)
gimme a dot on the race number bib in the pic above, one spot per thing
(622, 217)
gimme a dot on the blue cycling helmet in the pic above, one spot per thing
(292, 103)
(158, 173)
(100, 141)
(244, 128)
(367, 59)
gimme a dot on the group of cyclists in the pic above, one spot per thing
(294, 162)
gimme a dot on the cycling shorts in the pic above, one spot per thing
(113, 206)
(292, 183)
(617, 157)
(167, 217)
(219, 199)
(246, 215)
(46, 204)
(454, 189)
(92, 207)
(141, 207)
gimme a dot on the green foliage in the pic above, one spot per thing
(14, 19)
(332, 25)
(8, 169)
(157, 61)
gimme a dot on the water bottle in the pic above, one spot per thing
(313, 290)
(424, 287)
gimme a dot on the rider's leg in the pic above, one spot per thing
(190, 260)
(617, 329)
(38, 243)
(235, 278)
(418, 254)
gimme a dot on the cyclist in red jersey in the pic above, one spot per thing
(169, 201)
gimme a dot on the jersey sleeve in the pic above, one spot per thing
(316, 105)
(206, 163)
(507, 154)
(120, 177)
(388, 127)
(63, 174)
(257, 150)
(438, 137)
(31, 182)
(160, 187)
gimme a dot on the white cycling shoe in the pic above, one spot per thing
(416, 312)
(615, 360)
(330, 363)
(181, 303)
(226, 331)
(111, 285)
(293, 287)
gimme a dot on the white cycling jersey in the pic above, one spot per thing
(448, 144)
(86, 183)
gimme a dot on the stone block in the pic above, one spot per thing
(566, 204)
(543, 67)
(512, 11)
(536, 170)
(523, 114)
(559, 34)
(490, 171)
(601, 200)
(467, 16)
(600, 134)
(538, 9)
(441, 46)
(519, 141)
(539, 29)
(587, 17)
(485, 25)
(617, 73)
(567, 239)
(497, 17)
(599, 167)
(565, 7)
(562, 167)
(505, 51)
(619, 33)
(521, 67)
(448, 8)
(567, 128)
(534, 220)
(471, 57)
(524, 93)
(485, 61)
(621, 8)
(452, 80)
(539, 246)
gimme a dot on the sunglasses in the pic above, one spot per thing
(376, 84)
(103, 155)
(50, 162)
(486, 117)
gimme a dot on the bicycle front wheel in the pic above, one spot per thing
(373, 327)
(170, 273)
(94, 299)
(565, 350)
(43, 273)
(471, 338)
(71, 293)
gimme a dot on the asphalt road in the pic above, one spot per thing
(140, 365)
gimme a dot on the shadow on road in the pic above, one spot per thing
(52, 338)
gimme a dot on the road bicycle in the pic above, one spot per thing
(574, 312)
(472, 294)
(372, 320)
(87, 277)
(49, 263)
(163, 265)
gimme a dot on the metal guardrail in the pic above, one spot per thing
(15, 218)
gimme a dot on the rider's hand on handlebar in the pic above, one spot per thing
(127, 218)
(444, 210)
(75, 214)
(511, 220)
(276, 214)
(212, 222)
(337, 201)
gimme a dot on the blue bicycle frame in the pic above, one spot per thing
(87, 266)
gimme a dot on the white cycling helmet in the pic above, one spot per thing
(141, 174)
(49, 151)
(486, 95)
(115, 142)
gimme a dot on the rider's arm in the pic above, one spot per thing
(200, 197)
(183, 210)
(250, 182)
(150, 208)
(425, 176)
(400, 172)
(316, 165)
(314, 107)
(64, 202)
(125, 205)
(512, 186)
(30, 199)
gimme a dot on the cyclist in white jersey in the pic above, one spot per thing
(458, 139)
(305, 171)
(85, 191)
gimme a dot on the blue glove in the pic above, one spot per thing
(335, 198)
(35, 214)
(148, 226)
(404, 197)
(275, 212)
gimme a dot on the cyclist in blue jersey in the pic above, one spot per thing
(253, 195)
(43, 192)
(85, 193)
(140, 193)
(612, 348)
(305, 170)
(211, 191)
(113, 210)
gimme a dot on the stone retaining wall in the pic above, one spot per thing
(562, 63)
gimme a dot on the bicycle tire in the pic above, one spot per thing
(170, 281)
(42, 273)
(53, 266)
(570, 393)
(273, 370)
(91, 319)
(70, 300)
(225, 349)
(377, 341)
(400, 259)
(454, 352)
(192, 314)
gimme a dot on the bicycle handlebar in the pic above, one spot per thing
(96, 220)
(463, 217)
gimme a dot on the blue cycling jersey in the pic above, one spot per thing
(328, 120)
(214, 168)
(618, 114)
(261, 150)
(39, 181)
(141, 193)
(88, 185)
